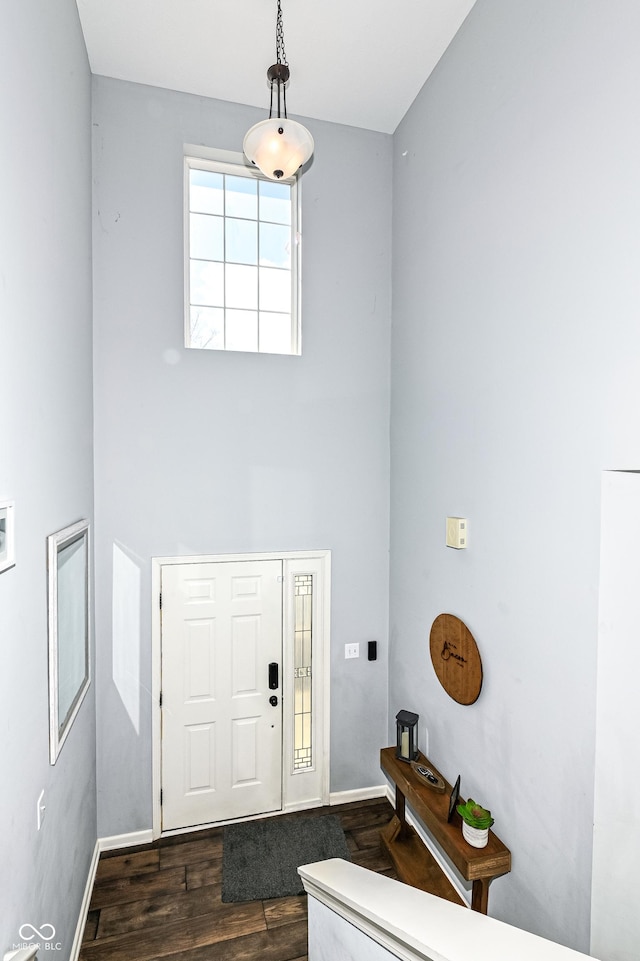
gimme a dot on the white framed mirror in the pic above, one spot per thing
(7, 536)
(68, 599)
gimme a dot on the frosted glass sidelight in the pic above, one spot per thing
(302, 685)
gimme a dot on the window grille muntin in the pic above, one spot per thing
(242, 253)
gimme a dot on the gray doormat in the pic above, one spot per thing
(260, 858)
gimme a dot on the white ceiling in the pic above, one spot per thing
(357, 62)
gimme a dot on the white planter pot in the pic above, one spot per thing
(476, 837)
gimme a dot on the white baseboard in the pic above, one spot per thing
(125, 840)
(102, 844)
(359, 794)
(146, 837)
(84, 907)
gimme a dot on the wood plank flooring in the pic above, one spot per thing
(163, 900)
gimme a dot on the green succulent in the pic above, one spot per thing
(474, 814)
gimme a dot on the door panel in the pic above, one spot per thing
(221, 738)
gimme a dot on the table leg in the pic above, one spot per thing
(480, 895)
(404, 831)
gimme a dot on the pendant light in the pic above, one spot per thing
(278, 146)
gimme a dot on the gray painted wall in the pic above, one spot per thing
(212, 452)
(514, 364)
(515, 358)
(46, 459)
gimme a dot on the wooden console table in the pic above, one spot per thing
(415, 865)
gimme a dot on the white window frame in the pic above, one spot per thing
(236, 164)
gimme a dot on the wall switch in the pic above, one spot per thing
(457, 532)
(40, 809)
(351, 650)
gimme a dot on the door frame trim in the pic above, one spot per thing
(157, 563)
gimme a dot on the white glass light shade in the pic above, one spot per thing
(278, 147)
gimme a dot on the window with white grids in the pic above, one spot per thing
(242, 259)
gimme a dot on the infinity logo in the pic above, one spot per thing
(37, 934)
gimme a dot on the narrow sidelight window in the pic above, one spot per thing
(303, 656)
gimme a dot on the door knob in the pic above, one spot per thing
(273, 700)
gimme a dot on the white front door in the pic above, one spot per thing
(221, 735)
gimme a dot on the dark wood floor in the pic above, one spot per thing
(163, 900)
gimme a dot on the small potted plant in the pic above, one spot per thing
(476, 822)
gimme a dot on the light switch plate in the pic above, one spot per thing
(351, 650)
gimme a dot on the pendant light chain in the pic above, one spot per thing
(281, 61)
(278, 146)
(281, 56)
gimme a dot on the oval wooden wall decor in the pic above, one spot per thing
(456, 658)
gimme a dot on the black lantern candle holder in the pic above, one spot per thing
(407, 735)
